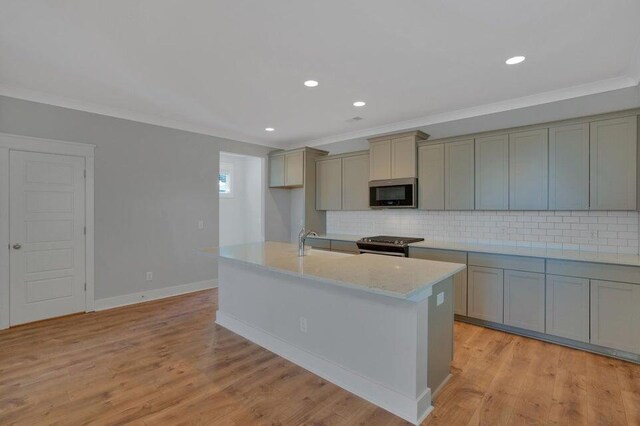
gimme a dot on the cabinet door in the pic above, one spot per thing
(403, 157)
(355, 182)
(567, 307)
(431, 177)
(569, 167)
(380, 160)
(329, 184)
(524, 300)
(276, 171)
(460, 293)
(528, 170)
(613, 156)
(294, 169)
(615, 315)
(492, 173)
(459, 175)
(485, 293)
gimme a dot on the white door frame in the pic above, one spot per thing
(47, 146)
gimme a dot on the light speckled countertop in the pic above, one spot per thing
(580, 256)
(397, 277)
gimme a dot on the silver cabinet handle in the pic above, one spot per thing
(17, 246)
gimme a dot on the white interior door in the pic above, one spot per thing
(46, 231)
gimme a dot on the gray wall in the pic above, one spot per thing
(152, 186)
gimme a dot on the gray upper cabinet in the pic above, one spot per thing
(329, 184)
(614, 158)
(403, 157)
(431, 177)
(492, 173)
(567, 307)
(615, 315)
(355, 182)
(294, 168)
(459, 175)
(276, 171)
(485, 292)
(528, 170)
(524, 300)
(569, 167)
(380, 160)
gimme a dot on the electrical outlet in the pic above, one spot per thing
(440, 299)
(149, 276)
(303, 324)
(201, 224)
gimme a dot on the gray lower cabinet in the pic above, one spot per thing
(567, 307)
(615, 315)
(329, 184)
(459, 175)
(524, 300)
(431, 177)
(492, 173)
(613, 153)
(528, 170)
(485, 293)
(569, 167)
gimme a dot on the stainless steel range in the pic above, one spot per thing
(387, 245)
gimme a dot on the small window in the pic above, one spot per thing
(225, 180)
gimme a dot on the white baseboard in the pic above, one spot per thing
(155, 294)
(413, 410)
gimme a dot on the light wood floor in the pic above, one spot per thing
(166, 362)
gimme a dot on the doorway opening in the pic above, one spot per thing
(241, 199)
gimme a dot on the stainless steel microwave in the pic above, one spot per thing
(393, 194)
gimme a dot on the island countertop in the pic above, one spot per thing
(397, 277)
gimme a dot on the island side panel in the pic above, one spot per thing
(440, 344)
(380, 341)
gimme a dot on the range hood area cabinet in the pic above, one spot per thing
(342, 181)
(394, 156)
(287, 168)
(588, 164)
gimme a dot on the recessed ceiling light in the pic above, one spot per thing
(514, 60)
(359, 103)
(311, 83)
(269, 129)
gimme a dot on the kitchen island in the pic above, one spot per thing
(380, 327)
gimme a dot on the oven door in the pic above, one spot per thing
(393, 193)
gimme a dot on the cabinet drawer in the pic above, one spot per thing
(345, 246)
(318, 243)
(597, 271)
(518, 263)
(438, 255)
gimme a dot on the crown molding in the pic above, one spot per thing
(594, 88)
(61, 101)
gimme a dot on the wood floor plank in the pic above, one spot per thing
(167, 362)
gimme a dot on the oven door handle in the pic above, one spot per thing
(386, 253)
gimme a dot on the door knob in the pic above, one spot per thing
(17, 246)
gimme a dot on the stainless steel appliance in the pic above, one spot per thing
(386, 245)
(393, 193)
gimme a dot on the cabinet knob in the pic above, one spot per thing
(17, 246)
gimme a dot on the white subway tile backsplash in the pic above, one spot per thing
(603, 231)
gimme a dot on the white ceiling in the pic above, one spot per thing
(232, 68)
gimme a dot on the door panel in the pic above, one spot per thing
(492, 173)
(47, 260)
(524, 300)
(380, 160)
(485, 293)
(569, 167)
(528, 170)
(459, 181)
(403, 157)
(431, 177)
(355, 182)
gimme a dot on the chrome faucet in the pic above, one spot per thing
(302, 236)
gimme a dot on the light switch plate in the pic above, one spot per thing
(440, 299)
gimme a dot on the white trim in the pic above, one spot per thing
(4, 238)
(61, 101)
(155, 294)
(392, 401)
(594, 88)
(47, 146)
